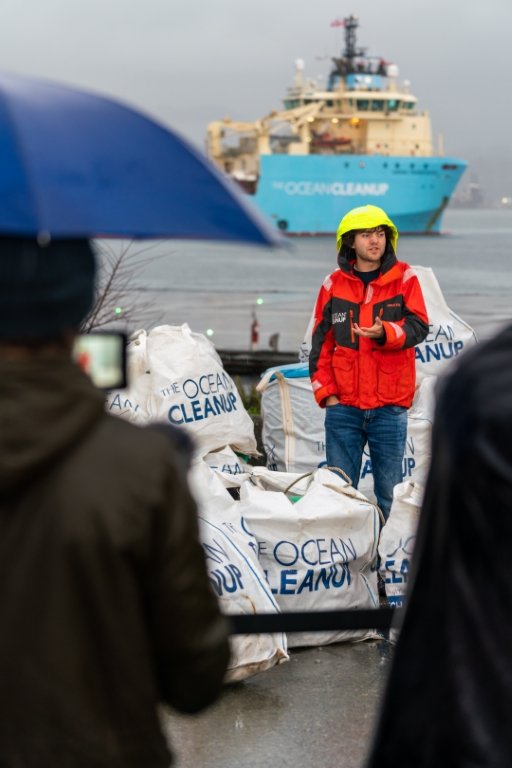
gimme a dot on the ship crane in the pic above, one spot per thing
(260, 130)
(217, 132)
(299, 117)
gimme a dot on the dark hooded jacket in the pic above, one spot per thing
(106, 608)
(449, 697)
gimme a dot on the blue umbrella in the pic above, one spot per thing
(75, 164)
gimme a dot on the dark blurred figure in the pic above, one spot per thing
(105, 605)
(449, 697)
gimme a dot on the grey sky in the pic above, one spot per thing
(193, 61)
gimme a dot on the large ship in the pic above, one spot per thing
(359, 139)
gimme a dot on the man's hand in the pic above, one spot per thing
(331, 400)
(376, 331)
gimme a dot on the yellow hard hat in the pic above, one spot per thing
(365, 217)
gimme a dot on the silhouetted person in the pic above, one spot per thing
(106, 608)
(449, 697)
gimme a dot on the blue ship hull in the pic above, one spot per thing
(308, 195)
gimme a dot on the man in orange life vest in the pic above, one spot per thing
(369, 315)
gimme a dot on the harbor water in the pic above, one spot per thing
(217, 288)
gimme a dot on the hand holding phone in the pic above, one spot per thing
(102, 356)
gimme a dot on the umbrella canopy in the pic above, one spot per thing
(75, 164)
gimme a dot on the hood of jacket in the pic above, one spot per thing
(46, 406)
(365, 217)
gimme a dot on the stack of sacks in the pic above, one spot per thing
(176, 377)
(315, 538)
(293, 431)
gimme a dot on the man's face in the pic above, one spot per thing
(369, 245)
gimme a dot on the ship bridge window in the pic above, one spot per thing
(291, 104)
(377, 105)
(393, 105)
(363, 105)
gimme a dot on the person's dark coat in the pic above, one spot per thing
(449, 696)
(105, 603)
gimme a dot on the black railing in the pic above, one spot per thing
(314, 621)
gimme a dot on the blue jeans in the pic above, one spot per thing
(347, 430)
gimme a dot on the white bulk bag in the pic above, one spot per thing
(448, 334)
(272, 480)
(397, 540)
(226, 462)
(292, 433)
(180, 380)
(240, 588)
(133, 403)
(317, 553)
(235, 573)
(216, 504)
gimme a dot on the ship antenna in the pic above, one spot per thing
(352, 52)
(351, 24)
(346, 64)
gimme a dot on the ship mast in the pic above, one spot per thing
(346, 64)
(351, 52)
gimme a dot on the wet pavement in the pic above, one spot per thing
(318, 709)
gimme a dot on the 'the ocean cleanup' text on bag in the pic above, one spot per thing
(176, 376)
(317, 553)
(397, 539)
(448, 334)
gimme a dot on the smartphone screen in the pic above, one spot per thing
(102, 356)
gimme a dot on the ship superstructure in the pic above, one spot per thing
(359, 139)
